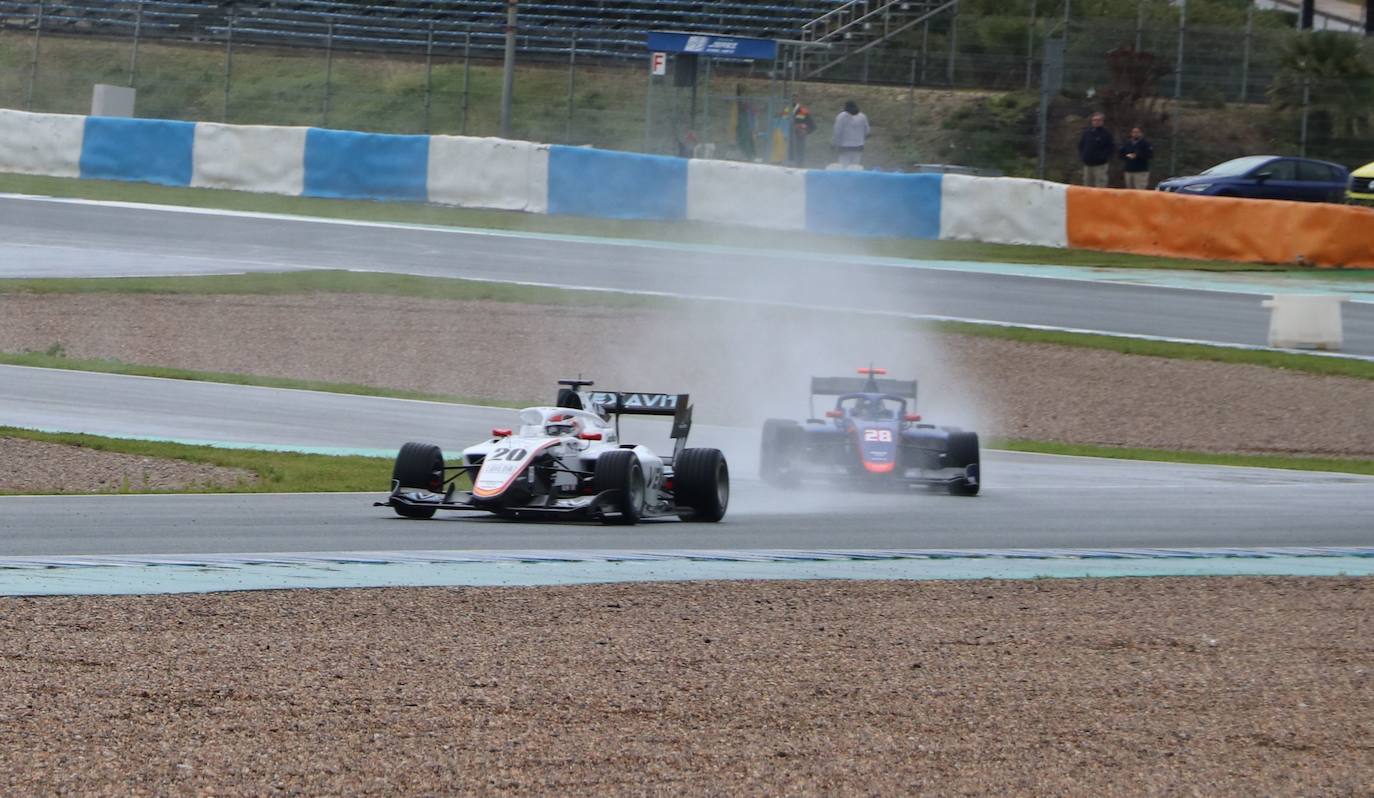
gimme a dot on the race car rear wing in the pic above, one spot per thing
(837, 386)
(626, 403)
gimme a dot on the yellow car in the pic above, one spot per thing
(1362, 185)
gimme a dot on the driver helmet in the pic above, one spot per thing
(562, 424)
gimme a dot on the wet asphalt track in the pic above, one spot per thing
(64, 239)
(1030, 501)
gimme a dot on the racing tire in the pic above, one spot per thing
(776, 451)
(418, 465)
(963, 453)
(701, 484)
(620, 470)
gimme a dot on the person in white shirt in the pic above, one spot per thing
(851, 130)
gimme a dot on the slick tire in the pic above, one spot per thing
(418, 465)
(701, 482)
(963, 453)
(619, 470)
(777, 450)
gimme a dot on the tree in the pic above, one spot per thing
(1326, 71)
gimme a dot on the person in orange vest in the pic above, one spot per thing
(802, 125)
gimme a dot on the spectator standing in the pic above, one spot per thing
(851, 131)
(1095, 149)
(1137, 153)
(802, 125)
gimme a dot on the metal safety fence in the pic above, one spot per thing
(959, 89)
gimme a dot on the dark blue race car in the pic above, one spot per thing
(872, 436)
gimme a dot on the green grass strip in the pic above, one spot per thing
(1335, 464)
(676, 232)
(278, 472)
(329, 281)
(53, 360)
(288, 472)
(1310, 364)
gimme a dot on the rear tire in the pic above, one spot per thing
(620, 470)
(701, 483)
(418, 466)
(963, 453)
(777, 450)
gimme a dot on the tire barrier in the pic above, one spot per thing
(538, 178)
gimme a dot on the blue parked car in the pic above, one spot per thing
(1267, 177)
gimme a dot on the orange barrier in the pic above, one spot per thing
(1220, 228)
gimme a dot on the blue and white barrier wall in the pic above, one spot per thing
(539, 178)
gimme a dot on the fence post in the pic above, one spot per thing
(925, 45)
(328, 72)
(429, 72)
(911, 102)
(1030, 46)
(706, 101)
(1068, 4)
(864, 81)
(467, 51)
(1139, 24)
(572, 72)
(1245, 55)
(1306, 98)
(953, 44)
(1178, 87)
(648, 108)
(33, 64)
(508, 69)
(228, 67)
(133, 53)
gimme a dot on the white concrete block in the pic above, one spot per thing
(1004, 210)
(1305, 321)
(41, 144)
(107, 100)
(733, 192)
(488, 173)
(261, 158)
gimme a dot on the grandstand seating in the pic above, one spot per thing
(613, 28)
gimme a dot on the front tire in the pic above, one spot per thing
(963, 453)
(620, 470)
(419, 466)
(701, 484)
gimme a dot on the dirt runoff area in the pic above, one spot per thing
(740, 363)
(1110, 687)
(1096, 688)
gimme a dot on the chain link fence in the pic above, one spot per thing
(956, 90)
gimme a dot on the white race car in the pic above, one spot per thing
(567, 461)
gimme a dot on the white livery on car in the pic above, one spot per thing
(568, 461)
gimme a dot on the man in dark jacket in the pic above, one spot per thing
(1137, 154)
(1095, 149)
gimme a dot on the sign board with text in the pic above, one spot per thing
(711, 45)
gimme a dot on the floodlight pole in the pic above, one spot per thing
(508, 71)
